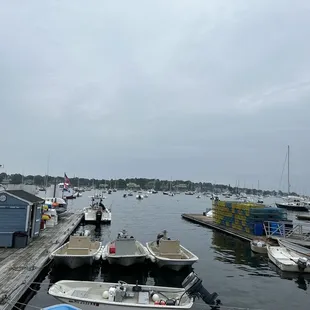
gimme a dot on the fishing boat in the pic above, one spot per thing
(125, 251)
(97, 213)
(259, 246)
(77, 252)
(288, 260)
(109, 296)
(170, 253)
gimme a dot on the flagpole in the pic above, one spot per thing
(63, 188)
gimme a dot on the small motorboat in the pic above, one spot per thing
(198, 196)
(119, 296)
(130, 194)
(77, 252)
(124, 195)
(169, 253)
(97, 213)
(145, 196)
(259, 246)
(125, 251)
(57, 203)
(288, 260)
(139, 197)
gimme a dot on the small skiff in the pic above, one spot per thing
(77, 252)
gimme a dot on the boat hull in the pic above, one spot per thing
(91, 305)
(176, 266)
(292, 208)
(73, 261)
(89, 295)
(173, 264)
(126, 261)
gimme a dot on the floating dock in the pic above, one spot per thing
(208, 222)
(20, 267)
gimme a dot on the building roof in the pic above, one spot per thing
(25, 196)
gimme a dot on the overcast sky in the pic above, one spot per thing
(201, 90)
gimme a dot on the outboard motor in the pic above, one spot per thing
(98, 217)
(302, 263)
(194, 288)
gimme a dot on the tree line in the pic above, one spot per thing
(142, 183)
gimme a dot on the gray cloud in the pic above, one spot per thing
(190, 89)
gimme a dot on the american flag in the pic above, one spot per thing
(66, 182)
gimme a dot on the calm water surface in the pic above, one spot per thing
(226, 265)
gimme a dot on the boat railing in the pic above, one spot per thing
(286, 230)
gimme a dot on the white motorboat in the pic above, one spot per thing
(77, 252)
(295, 247)
(59, 204)
(259, 246)
(97, 213)
(169, 253)
(113, 296)
(139, 197)
(125, 251)
(288, 260)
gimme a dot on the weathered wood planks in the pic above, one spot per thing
(19, 267)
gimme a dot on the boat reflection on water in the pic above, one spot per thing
(83, 273)
(228, 249)
(169, 278)
(132, 274)
(301, 279)
(146, 274)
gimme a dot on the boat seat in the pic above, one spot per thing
(170, 248)
(77, 251)
(79, 245)
(126, 247)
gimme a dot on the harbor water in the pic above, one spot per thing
(226, 264)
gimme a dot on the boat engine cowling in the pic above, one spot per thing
(302, 263)
(98, 217)
(194, 288)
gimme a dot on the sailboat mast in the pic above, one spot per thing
(288, 170)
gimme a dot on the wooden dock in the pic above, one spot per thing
(19, 267)
(208, 222)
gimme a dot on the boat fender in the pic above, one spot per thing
(162, 303)
(154, 296)
(157, 302)
(105, 294)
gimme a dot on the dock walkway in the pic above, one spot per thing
(19, 267)
(208, 222)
